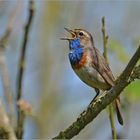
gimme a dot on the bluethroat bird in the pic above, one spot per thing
(90, 65)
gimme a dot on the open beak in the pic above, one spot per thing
(72, 34)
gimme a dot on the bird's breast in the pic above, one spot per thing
(81, 63)
(88, 74)
(78, 58)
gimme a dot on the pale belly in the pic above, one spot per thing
(90, 76)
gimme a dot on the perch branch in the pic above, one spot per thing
(21, 67)
(105, 99)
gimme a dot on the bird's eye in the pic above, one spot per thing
(81, 33)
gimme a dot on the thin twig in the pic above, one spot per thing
(105, 39)
(105, 99)
(112, 123)
(6, 85)
(111, 111)
(21, 67)
(11, 23)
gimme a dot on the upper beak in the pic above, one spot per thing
(71, 32)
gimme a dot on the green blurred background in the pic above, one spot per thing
(56, 94)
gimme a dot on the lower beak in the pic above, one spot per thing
(66, 38)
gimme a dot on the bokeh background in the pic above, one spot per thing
(56, 94)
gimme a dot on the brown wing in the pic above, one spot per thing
(102, 67)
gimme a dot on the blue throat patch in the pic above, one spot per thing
(76, 51)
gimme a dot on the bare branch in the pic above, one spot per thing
(3, 67)
(6, 86)
(11, 23)
(21, 67)
(105, 39)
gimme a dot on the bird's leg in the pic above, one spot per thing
(97, 93)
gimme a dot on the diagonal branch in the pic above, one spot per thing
(105, 99)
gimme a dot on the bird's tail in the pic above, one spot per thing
(118, 106)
